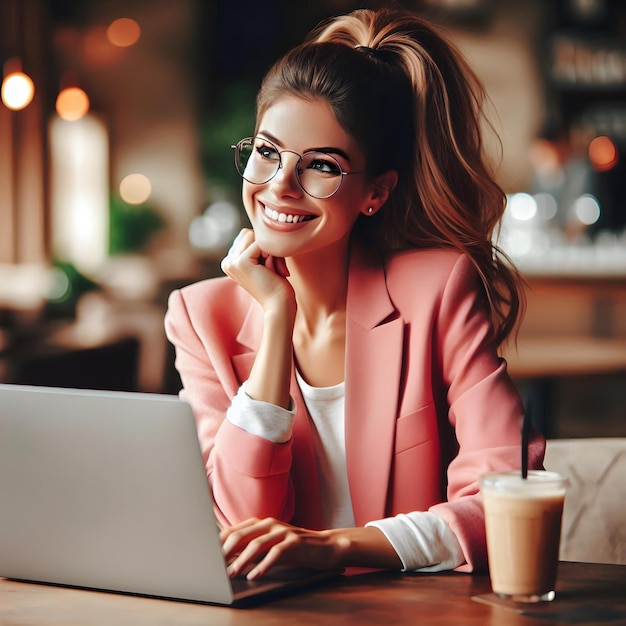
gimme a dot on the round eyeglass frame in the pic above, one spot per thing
(341, 172)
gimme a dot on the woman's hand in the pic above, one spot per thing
(262, 544)
(261, 275)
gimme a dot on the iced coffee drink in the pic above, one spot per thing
(523, 525)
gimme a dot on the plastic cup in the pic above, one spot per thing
(523, 526)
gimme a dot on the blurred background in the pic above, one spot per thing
(117, 183)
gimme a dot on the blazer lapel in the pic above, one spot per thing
(374, 341)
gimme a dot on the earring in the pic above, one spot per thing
(370, 210)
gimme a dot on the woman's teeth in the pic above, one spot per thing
(285, 217)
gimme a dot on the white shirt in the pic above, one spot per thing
(422, 540)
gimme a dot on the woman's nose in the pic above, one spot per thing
(285, 182)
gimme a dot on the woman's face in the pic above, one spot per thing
(287, 221)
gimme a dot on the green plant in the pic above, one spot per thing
(131, 226)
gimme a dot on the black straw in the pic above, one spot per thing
(525, 428)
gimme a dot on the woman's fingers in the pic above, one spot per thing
(280, 266)
(262, 552)
(246, 542)
(236, 538)
(233, 535)
(273, 556)
(262, 276)
(255, 546)
(243, 248)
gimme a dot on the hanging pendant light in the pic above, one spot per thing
(18, 88)
(72, 103)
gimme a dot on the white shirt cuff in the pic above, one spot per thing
(261, 418)
(422, 540)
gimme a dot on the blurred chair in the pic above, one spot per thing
(594, 516)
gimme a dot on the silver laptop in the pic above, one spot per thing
(108, 491)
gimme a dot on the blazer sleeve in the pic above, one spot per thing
(248, 474)
(485, 409)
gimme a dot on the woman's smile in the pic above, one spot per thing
(285, 216)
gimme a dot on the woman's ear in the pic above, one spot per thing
(382, 186)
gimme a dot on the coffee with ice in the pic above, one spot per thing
(523, 525)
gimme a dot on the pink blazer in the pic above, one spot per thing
(429, 405)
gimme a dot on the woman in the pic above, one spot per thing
(344, 375)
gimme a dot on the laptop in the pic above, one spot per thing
(108, 491)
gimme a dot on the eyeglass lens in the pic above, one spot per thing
(258, 161)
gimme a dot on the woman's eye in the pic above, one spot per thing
(325, 166)
(267, 152)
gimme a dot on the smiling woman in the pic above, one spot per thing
(344, 374)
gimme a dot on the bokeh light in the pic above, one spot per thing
(519, 243)
(123, 32)
(135, 188)
(72, 104)
(214, 230)
(522, 206)
(60, 287)
(79, 192)
(603, 153)
(547, 206)
(18, 90)
(587, 209)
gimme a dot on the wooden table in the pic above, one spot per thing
(586, 594)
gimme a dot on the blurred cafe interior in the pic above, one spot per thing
(117, 183)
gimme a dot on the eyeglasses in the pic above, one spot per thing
(258, 160)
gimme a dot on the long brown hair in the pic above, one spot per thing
(413, 104)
